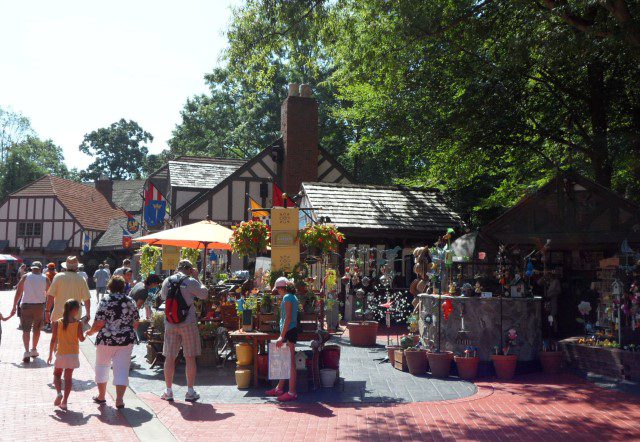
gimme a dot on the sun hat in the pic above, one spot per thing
(281, 282)
(36, 265)
(71, 263)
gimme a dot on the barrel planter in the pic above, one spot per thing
(551, 361)
(505, 366)
(417, 363)
(244, 353)
(440, 363)
(467, 367)
(363, 334)
(243, 377)
(330, 357)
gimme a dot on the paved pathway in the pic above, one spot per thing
(534, 407)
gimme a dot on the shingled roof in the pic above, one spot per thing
(201, 173)
(358, 206)
(112, 238)
(88, 206)
(127, 194)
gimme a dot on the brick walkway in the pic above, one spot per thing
(534, 407)
(26, 401)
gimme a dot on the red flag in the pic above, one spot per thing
(278, 201)
(127, 242)
(152, 194)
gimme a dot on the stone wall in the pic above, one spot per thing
(482, 322)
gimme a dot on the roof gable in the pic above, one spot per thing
(88, 206)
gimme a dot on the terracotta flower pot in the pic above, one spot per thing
(363, 334)
(440, 363)
(505, 365)
(417, 363)
(391, 352)
(467, 367)
(551, 361)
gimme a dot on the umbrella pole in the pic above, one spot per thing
(204, 263)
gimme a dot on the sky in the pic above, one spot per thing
(74, 66)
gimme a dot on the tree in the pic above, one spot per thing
(28, 161)
(14, 128)
(120, 150)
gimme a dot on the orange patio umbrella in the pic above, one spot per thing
(201, 235)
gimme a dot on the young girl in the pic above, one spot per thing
(67, 332)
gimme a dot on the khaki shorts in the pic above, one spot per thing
(186, 336)
(32, 315)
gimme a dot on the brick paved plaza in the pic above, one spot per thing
(532, 407)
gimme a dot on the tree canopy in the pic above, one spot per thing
(484, 99)
(119, 150)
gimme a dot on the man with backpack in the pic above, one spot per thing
(180, 325)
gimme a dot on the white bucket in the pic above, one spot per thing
(328, 377)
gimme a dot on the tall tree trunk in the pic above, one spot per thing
(601, 162)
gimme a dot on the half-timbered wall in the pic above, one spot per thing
(56, 223)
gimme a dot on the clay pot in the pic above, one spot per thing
(243, 378)
(391, 352)
(505, 366)
(467, 367)
(244, 353)
(416, 361)
(363, 334)
(440, 363)
(551, 361)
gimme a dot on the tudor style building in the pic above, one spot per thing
(48, 219)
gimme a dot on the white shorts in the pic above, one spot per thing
(119, 357)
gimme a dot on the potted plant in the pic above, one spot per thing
(250, 238)
(416, 360)
(505, 364)
(320, 238)
(208, 339)
(363, 333)
(467, 364)
(267, 316)
(550, 358)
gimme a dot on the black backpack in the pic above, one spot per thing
(175, 307)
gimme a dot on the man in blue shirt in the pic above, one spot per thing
(101, 278)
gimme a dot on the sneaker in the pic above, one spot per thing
(191, 396)
(26, 357)
(34, 353)
(167, 396)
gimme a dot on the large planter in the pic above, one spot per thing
(400, 360)
(391, 352)
(243, 378)
(330, 357)
(467, 367)
(363, 334)
(244, 353)
(417, 363)
(440, 363)
(551, 361)
(505, 366)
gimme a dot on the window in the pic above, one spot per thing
(29, 229)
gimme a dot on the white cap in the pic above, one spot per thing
(281, 282)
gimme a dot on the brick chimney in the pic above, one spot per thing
(299, 127)
(105, 186)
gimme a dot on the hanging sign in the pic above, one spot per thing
(285, 249)
(170, 257)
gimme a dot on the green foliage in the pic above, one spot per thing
(149, 258)
(29, 160)
(119, 150)
(193, 255)
(485, 100)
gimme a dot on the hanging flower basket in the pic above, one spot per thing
(321, 238)
(250, 238)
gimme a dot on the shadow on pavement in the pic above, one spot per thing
(200, 412)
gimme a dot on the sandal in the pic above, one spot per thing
(99, 401)
(274, 392)
(63, 407)
(287, 397)
(120, 407)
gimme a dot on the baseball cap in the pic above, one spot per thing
(185, 264)
(36, 265)
(281, 282)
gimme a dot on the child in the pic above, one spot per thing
(67, 332)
